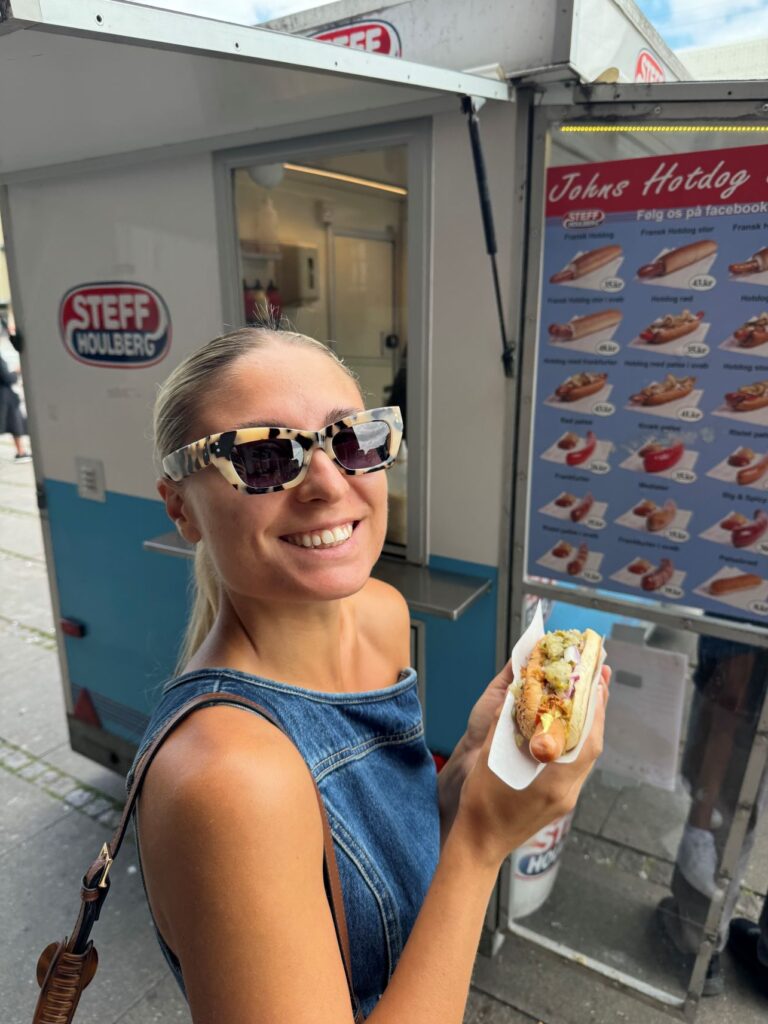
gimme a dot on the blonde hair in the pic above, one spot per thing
(175, 415)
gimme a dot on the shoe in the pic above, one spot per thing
(697, 859)
(714, 982)
(23, 457)
(743, 942)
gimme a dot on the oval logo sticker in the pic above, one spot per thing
(373, 36)
(115, 323)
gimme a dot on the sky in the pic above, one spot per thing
(682, 23)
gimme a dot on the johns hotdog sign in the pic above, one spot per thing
(115, 323)
(650, 461)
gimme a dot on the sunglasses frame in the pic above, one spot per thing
(216, 449)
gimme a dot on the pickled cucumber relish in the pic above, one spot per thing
(562, 649)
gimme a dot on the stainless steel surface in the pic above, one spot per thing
(446, 595)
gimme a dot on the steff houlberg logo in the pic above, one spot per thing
(115, 323)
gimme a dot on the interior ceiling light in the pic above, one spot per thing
(351, 179)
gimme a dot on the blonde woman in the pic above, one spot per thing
(271, 468)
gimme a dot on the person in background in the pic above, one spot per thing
(11, 418)
(729, 689)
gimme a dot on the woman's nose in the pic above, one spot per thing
(324, 479)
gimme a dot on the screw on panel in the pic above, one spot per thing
(764, 107)
(657, 110)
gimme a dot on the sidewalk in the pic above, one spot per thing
(57, 808)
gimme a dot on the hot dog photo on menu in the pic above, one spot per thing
(591, 332)
(674, 333)
(744, 467)
(753, 269)
(589, 269)
(676, 268)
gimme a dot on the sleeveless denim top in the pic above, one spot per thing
(367, 754)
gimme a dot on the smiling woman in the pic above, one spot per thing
(270, 467)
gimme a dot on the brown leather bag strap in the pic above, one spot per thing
(96, 879)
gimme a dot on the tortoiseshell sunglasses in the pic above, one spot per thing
(259, 460)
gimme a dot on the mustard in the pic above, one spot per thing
(546, 721)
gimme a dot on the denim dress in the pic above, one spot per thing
(367, 754)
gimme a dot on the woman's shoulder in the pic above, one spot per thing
(385, 620)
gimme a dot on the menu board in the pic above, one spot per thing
(649, 460)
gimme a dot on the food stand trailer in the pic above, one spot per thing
(217, 167)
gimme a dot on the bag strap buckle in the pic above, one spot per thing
(108, 861)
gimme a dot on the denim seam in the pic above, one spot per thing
(381, 893)
(344, 699)
(334, 761)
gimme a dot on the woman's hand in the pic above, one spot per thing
(495, 819)
(462, 760)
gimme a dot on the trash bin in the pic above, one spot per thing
(534, 868)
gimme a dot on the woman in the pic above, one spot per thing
(286, 613)
(11, 416)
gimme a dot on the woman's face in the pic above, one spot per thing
(246, 535)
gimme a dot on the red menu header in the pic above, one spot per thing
(709, 178)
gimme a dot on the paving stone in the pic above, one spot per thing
(25, 596)
(15, 759)
(22, 534)
(62, 786)
(648, 819)
(33, 770)
(595, 804)
(97, 807)
(97, 776)
(484, 1009)
(79, 797)
(32, 709)
(110, 818)
(24, 811)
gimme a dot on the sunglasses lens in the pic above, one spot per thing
(269, 463)
(363, 446)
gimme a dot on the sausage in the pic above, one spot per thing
(671, 389)
(576, 565)
(548, 746)
(581, 326)
(656, 579)
(743, 536)
(668, 330)
(576, 458)
(677, 259)
(586, 263)
(752, 474)
(662, 517)
(730, 584)
(561, 550)
(571, 391)
(752, 333)
(758, 262)
(662, 459)
(582, 509)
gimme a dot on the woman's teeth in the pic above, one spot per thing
(324, 539)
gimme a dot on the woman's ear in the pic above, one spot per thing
(178, 510)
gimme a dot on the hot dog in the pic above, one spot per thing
(576, 565)
(730, 584)
(661, 459)
(744, 536)
(561, 550)
(662, 517)
(581, 326)
(575, 458)
(565, 500)
(656, 579)
(749, 397)
(586, 263)
(581, 385)
(670, 328)
(677, 259)
(752, 266)
(582, 509)
(733, 520)
(741, 457)
(553, 694)
(644, 508)
(568, 441)
(671, 389)
(752, 474)
(754, 332)
(639, 567)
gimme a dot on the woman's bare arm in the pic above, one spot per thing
(231, 843)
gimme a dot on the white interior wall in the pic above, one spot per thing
(154, 225)
(468, 383)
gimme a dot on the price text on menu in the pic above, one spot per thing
(650, 441)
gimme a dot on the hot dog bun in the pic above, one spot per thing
(553, 698)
